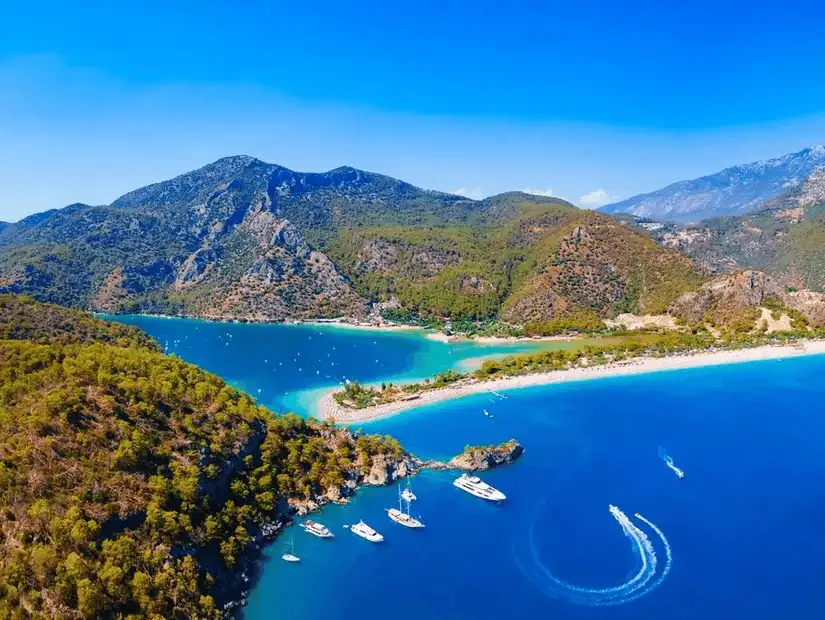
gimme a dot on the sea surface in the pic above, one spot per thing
(286, 367)
(741, 536)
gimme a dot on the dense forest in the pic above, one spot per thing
(132, 484)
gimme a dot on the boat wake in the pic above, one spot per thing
(650, 575)
(669, 462)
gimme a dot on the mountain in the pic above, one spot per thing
(135, 485)
(543, 261)
(785, 239)
(244, 239)
(733, 191)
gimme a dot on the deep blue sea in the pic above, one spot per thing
(741, 536)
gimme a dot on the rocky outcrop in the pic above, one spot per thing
(480, 458)
(810, 304)
(745, 289)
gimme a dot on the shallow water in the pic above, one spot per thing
(286, 366)
(744, 526)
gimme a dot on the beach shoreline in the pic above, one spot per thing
(328, 409)
(349, 324)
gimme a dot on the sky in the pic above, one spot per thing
(591, 100)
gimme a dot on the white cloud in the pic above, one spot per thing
(595, 199)
(538, 192)
(476, 193)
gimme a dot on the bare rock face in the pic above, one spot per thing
(740, 290)
(810, 304)
(385, 470)
(479, 458)
(747, 289)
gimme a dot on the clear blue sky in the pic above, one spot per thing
(585, 98)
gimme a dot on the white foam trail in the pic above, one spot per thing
(644, 581)
(669, 462)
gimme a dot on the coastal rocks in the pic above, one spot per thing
(480, 458)
(385, 470)
(809, 303)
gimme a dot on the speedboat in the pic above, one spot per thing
(475, 486)
(365, 531)
(317, 529)
(679, 473)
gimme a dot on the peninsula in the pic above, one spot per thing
(394, 400)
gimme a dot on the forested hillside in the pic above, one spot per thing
(134, 485)
(244, 239)
(540, 262)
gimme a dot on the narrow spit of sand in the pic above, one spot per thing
(327, 407)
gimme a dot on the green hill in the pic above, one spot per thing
(134, 485)
(542, 261)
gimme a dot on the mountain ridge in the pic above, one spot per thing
(243, 239)
(785, 238)
(735, 190)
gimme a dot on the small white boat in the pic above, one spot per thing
(317, 529)
(289, 552)
(402, 516)
(408, 494)
(475, 486)
(366, 532)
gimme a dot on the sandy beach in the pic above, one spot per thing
(327, 407)
(442, 337)
(372, 327)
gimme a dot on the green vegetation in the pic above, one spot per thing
(579, 322)
(22, 318)
(548, 262)
(124, 472)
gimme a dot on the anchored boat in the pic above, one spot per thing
(407, 493)
(289, 552)
(366, 532)
(475, 486)
(401, 515)
(317, 529)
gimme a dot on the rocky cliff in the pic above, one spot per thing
(480, 458)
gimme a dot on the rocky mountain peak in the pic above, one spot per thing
(736, 190)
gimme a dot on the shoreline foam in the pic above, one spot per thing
(327, 408)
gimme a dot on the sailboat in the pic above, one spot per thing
(289, 551)
(401, 515)
(407, 493)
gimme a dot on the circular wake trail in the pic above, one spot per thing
(645, 580)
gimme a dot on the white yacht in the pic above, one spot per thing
(289, 552)
(408, 494)
(317, 529)
(401, 515)
(366, 532)
(474, 486)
